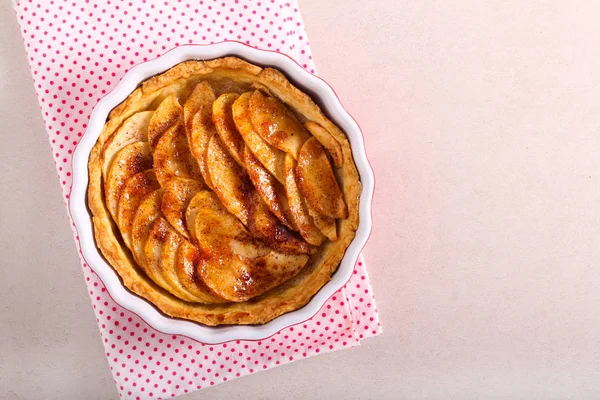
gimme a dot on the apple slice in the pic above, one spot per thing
(161, 255)
(136, 188)
(178, 194)
(134, 129)
(217, 231)
(317, 182)
(265, 226)
(303, 220)
(157, 235)
(147, 212)
(239, 279)
(172, 157)
(271, 191)
(190, 260)
(327, 225)
(276, 124)
(168, 263)
(220, 233)
(328, 141)
(168, 113)
(199, 126)
(201, 200)
(226, 129)
(202, 98)
(270, 157)
(247, 247)
(230, 181)
(215, 228)
(130, 160)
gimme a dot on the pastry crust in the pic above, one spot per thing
(286, 297)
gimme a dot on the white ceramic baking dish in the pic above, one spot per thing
(321, 93)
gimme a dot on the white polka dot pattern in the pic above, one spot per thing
(78, 50)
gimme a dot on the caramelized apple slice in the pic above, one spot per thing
(147, 212)
(239, 279)
(134, 129)
(327, 225)
(178, 194)
(220, 233)
(328, 141)
(217, 231)
(276, 124)
(317, 182)
(226, 129)
(229, 180)
(303, 220)
(136, 188)
(201, 128)
(270, 157)
(262, 224)
(168, 113)
(247, 247)
(189, 263)
(215, 228)
(130, 160)
(271, 191)
(172, 157)
(201, 200)
(201, 96)
(161, 257)
(168, 263)
(157, 235)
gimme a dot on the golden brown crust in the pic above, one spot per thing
(290, 295)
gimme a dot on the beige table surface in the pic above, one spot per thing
(482, 121)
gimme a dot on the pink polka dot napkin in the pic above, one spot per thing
(78, 50)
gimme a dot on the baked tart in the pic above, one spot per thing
(222, 194)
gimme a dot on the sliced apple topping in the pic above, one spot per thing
(249, 247)
(303, 220)
(189, 263)
(157, 236)
(276, 124)
(130, 160)
(147, 212)
(239, 279)
(167, 266)
(215, 228)
(199, 126)
(328, 141)
(264, 225)
(327, 225)
(172, 157)
(230, 182)
(270, 157)
(317, 182)
(201, 96)
(136, 188)
(201, 200)
(134, 129)
(219, 232)
(271, 191)
(168, 113)
(226, 129)
(178, 194)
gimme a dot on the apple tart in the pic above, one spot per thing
(222, 194)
